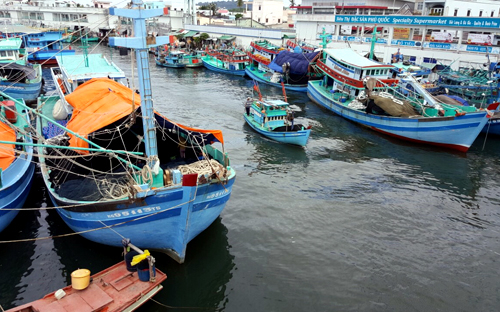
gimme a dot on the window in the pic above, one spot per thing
(481, 13)
(420, 6)
(267, 20)
(258, 20)
(468, 12)
(455, 13)
(259, 8)
(492, 12)
(279, 21)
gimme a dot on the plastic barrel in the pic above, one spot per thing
(128, 259)
(143, 270)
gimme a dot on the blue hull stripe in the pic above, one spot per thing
(298, 88)
(237, 72)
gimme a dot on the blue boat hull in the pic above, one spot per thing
(492, 127)
(17, 180)
(29, 92)
(239, 72)
(451, 132)
(49, 56)
(178, 65)
(290, 137)
(166, 221)
(298, 88)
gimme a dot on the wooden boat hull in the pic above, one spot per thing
(290, 137)
(113, 290)
(16, 183)
(19, 177)
(252, 73)
(493, 125)
(235, 72)
(450, 132)
(180, 65)
(29, 91)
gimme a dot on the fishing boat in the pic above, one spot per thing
(74, 70)
(173, 59)
(19, 79)
(115, 289)
(43, 47)
(16, 158)
(193, 59)
(115, 176)
(274, 119)
(228, 61)
(272, 64)
(361, 90)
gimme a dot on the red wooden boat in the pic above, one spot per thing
(114, 289)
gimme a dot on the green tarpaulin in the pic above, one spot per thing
(288, 36)
(227, 37)
(190, 33)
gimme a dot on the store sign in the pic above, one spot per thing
(441, 21)
(480, 39)
(440, 36)
(401, 33)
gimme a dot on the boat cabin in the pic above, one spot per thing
(270, 113)
(9, 49)
(345, 71)
(74, 70)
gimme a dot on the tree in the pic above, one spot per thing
(179, 37)
(238, 16)
(239, 3)
(197, 42)
(204, 36)
(292, 3)
(204, 7)
(213, 7)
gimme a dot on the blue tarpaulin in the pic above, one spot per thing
(299, 62)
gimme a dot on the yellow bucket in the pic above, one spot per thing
(80, 279)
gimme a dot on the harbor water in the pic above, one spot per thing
(355, 221)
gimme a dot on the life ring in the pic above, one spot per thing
(397, 101)
(362, 97)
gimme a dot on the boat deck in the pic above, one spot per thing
(76, 67)
(114, 289)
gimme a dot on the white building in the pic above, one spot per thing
(314, 15)
(478, 8)
(268, 12)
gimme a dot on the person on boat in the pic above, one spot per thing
(289, 117)
(248, 104)
(182, 148)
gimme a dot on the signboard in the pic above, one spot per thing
(440, 21)
(480, 39)
(329, 28)
(441, 36)
(346, 29)
(401, 33)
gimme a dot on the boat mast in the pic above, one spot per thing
(374, 39)
(141, 43)
(324, 42)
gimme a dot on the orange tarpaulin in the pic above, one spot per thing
(7, 155)
(100, 102)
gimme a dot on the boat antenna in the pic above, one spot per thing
(141, 43)
(374, 39)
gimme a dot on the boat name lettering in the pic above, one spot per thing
(218, 194)
(134, 212)
(421, 20)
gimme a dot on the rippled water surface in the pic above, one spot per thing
(353, 221)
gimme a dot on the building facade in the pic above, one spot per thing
(268, 12)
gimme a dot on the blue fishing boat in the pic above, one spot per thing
(19, 79)
(43, 47)
(16, 159)
(116, 179)
(173, 59)
(274, 120)
(227, 61)
(272, 65)
(361, 90)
